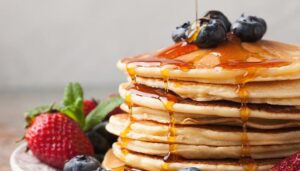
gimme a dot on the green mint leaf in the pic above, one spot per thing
(101, 111)
(73, 103)
(73, 91)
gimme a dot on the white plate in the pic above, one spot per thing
(20, 160)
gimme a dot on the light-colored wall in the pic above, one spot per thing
(50, 42)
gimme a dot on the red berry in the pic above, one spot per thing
(291, 163)
(88, 106)
(54, 138)
(117, 110)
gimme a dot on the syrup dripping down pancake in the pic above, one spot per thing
(144, 113)
(273, 92)
(186, 151)
(201, 135)
(222, 65)
(210, 108)
(147, 162)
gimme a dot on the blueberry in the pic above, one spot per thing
(212, 32)
(99, 157)
(181, 32)
(213, 14)
(190, 169)
(100, 129)
(82, 163)
(100, 138)
(249, 28)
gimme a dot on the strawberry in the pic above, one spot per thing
(54, 138)
(57, 133)
(88, 106)
(291, 163)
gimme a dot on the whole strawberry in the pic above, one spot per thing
(88, 106)
(291, 163)
(54, 138)
(57, 133)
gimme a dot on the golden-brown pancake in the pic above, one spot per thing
(191, 152)
(266, 60)
(212, 108)
(162, 116)
(273, 92)
(147, 162)
(201, 135)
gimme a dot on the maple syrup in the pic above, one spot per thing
(131, 72)
(168, 99)
(168, 103)
(123, 135)
(165, 57)
(246, 160)
(230, 54)
(165, 75)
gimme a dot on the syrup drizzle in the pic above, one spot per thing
(246, 160)
(168, 100)
(230, 54)
(168, 103)
(131, 72)
(123, 135)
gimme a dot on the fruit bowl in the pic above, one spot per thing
(20, 160)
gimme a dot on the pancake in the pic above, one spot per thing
(228, 108)
(147, 162)
(264, 60)
(144, 113)
(212, 108)
(200, 135)
(111, 162)
(275, 92)
(211, 152)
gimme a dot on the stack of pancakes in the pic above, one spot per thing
(230, 108)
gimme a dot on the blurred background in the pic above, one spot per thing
(44, 44)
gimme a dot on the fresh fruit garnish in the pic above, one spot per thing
(55, 138)
(56, 133)
(249, 28)
(212, 29)
(190, 169)
(212, 32)
(213, 14)
(101, 138)
(181, 32)
(88, 106)
(82, 163)
(291, 163)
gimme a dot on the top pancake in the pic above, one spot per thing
(230, 63)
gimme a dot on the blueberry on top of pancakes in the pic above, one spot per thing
(249, 28)
(214, 14)
(211, 30)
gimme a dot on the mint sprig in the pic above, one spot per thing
(101, 111)
(73, 103)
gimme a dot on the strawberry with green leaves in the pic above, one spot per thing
(56, 133)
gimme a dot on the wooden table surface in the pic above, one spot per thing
(14, 103)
